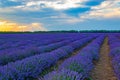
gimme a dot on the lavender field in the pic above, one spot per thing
(60, 56)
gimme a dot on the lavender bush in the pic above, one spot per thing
(114, 43)
(81, 63)
(31, 67)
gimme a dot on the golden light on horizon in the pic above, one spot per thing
(6, 26)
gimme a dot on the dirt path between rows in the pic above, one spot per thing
(73, 53)
(103, 68)
(59, 62)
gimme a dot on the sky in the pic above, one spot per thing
(52, 15)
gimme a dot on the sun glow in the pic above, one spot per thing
(10, 26)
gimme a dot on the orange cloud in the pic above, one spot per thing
(10, 26)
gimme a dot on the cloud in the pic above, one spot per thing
(6, 10)
(59, 12)
(10, 26)
(34, 5)
(107, 9)
(13, 0)
(67, 4)
(37, 27)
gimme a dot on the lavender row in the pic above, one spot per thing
(8, 46)
(31, 67)
(30, 45)
(7, 57)
(23, 43)
(12, 44)
(15, 40)
(79, 66)
(115, 54)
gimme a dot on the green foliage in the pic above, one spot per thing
(89, 78)
(75, 67)
(46, 71)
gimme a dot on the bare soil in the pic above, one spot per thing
(103, 68)
(59, 62)
(73, 53)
